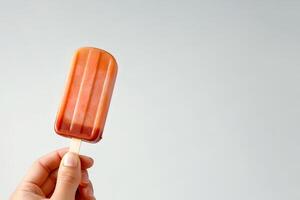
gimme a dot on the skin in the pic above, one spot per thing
(48, 178)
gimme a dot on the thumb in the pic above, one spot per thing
(68, 177)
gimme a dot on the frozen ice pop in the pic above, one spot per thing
(87, 95)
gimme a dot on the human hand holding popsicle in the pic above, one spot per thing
(59, 175)
(81, 116)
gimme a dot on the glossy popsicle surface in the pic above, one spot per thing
(87, 96)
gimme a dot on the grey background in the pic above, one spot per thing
(206, 104)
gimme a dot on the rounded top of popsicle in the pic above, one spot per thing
(97, 49)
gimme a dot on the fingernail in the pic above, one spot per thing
(70, 160)
(85, 177)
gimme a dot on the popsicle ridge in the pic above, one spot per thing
(85, 91)
(103, 101)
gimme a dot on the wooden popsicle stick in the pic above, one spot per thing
(75, 145)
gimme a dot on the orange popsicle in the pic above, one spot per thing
(87, 96)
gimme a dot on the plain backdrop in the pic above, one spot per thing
(206, 104)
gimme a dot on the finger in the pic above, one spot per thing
(49, 185)
(86, 162)
(84, 178)
(86, 192)
(68, 177)
(41, 168)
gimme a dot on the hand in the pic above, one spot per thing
(59, 175)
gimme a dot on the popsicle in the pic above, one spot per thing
(84, 107)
